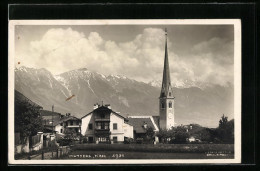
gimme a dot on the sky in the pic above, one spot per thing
(197, 53)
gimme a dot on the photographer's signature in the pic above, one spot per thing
(218, 153)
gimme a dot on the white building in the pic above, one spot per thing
(104, 125)
(67, 122)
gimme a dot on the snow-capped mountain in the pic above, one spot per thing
(127, 96)
(183, 84)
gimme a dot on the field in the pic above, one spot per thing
(150, 151)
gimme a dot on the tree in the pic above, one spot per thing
(205, 135)
(28, 120)
(150, 132)
(70, 134)
(225, 131)
(223, 121)
(181, 135)
(164, 134)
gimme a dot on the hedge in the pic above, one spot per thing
(188, 148)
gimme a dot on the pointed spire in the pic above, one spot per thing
(166, 82)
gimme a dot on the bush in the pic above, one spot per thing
(65, 141)
(84, 140)
(139, 140)
(171, 148)
(129, 141)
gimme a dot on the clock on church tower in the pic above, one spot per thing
(166, 99)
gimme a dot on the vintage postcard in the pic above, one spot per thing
(124, 91)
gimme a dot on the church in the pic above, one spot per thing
(166, 99)
(105, 125)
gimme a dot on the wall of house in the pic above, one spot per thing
(84, 126)
(128, 130)
(119, 132)
(58, 128)
(74, 123)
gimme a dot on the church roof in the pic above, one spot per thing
(138, 123)
(166, 82)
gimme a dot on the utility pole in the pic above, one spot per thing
(52, 117)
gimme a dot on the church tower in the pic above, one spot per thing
(166, 99)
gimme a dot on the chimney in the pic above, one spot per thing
(95, 106)
(145, 125)
(108, 106)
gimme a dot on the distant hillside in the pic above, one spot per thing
(127, 96)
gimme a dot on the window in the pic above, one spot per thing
(71, 122)
(61, 130)
(102, 125)
(102, 116)
(77, 123)
(90, 126)
(90, 139)
(115, 126)
(170, 104)
(103, 139)
(61, 124)
(115, 139)
(170, 94)
(162, 105)
(106, 125)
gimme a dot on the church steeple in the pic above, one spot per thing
(166, 100)
(166, 82)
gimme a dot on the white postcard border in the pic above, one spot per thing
(237, 88)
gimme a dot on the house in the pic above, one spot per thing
(67, 122)
(191, 139)
(141, 124)
(105, 125)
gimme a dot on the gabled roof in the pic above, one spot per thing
(138, 123)
(104, 108)
(156, 120)
(64, 119)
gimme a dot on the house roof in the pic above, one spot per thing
(156, 120)
(104, 108)
(139, 121)
(67, 118)
(64, 119)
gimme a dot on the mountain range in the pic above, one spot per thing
(203, 106)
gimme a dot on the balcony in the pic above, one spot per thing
(102, 119)
(102, 132)
(72, 126)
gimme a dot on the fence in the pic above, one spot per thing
(51, 154)
(35, 140)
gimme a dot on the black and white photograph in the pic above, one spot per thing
(124, 91)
